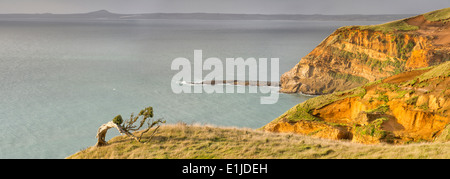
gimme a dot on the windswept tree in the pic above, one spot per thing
(133, 124)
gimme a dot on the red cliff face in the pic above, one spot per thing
(407, 105)
(352, 56)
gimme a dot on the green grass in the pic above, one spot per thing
(373, 83)
(409, 83)
(383, 97)
(422, 84)
(398, 65)
(438, 15)
(380, 109)
(442, 70)
(389, 86)
(402, 93)
(399, 25)
(412, 101)
(348, 77)
(372, 129)
(208, 142)
(424, 106)
(445, 134)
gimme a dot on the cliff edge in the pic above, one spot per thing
(354, 55)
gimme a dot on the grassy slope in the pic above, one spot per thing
(438, 15)
(191, 141)
(440, 70)
(398, 25)
(401, 25)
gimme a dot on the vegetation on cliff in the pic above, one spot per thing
(408, 107)
(351, 56)
(208, 142)
(399, 25)
(439, 15)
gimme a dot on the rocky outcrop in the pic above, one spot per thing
(355, 55)
(408, 107)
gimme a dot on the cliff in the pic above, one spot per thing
(355, 55)
(408, 107)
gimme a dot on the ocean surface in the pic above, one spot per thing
(61, 79)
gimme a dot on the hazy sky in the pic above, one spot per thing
(226, 6)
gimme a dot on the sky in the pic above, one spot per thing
(329, 7)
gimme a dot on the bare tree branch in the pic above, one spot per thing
(145, 116)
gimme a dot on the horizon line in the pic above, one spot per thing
(107, 11)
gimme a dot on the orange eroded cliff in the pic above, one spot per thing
(355, 55)
(408, 107)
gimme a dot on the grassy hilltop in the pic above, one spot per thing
(207, 142)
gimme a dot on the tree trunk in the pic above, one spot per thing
(101, 133)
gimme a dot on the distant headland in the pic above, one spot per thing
(104, 14)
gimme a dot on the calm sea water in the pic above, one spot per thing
(60, 80)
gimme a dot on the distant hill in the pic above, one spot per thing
(104, 14)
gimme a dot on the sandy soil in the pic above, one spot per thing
(440, 30)
(402, 77)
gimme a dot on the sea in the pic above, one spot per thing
(61, 79)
